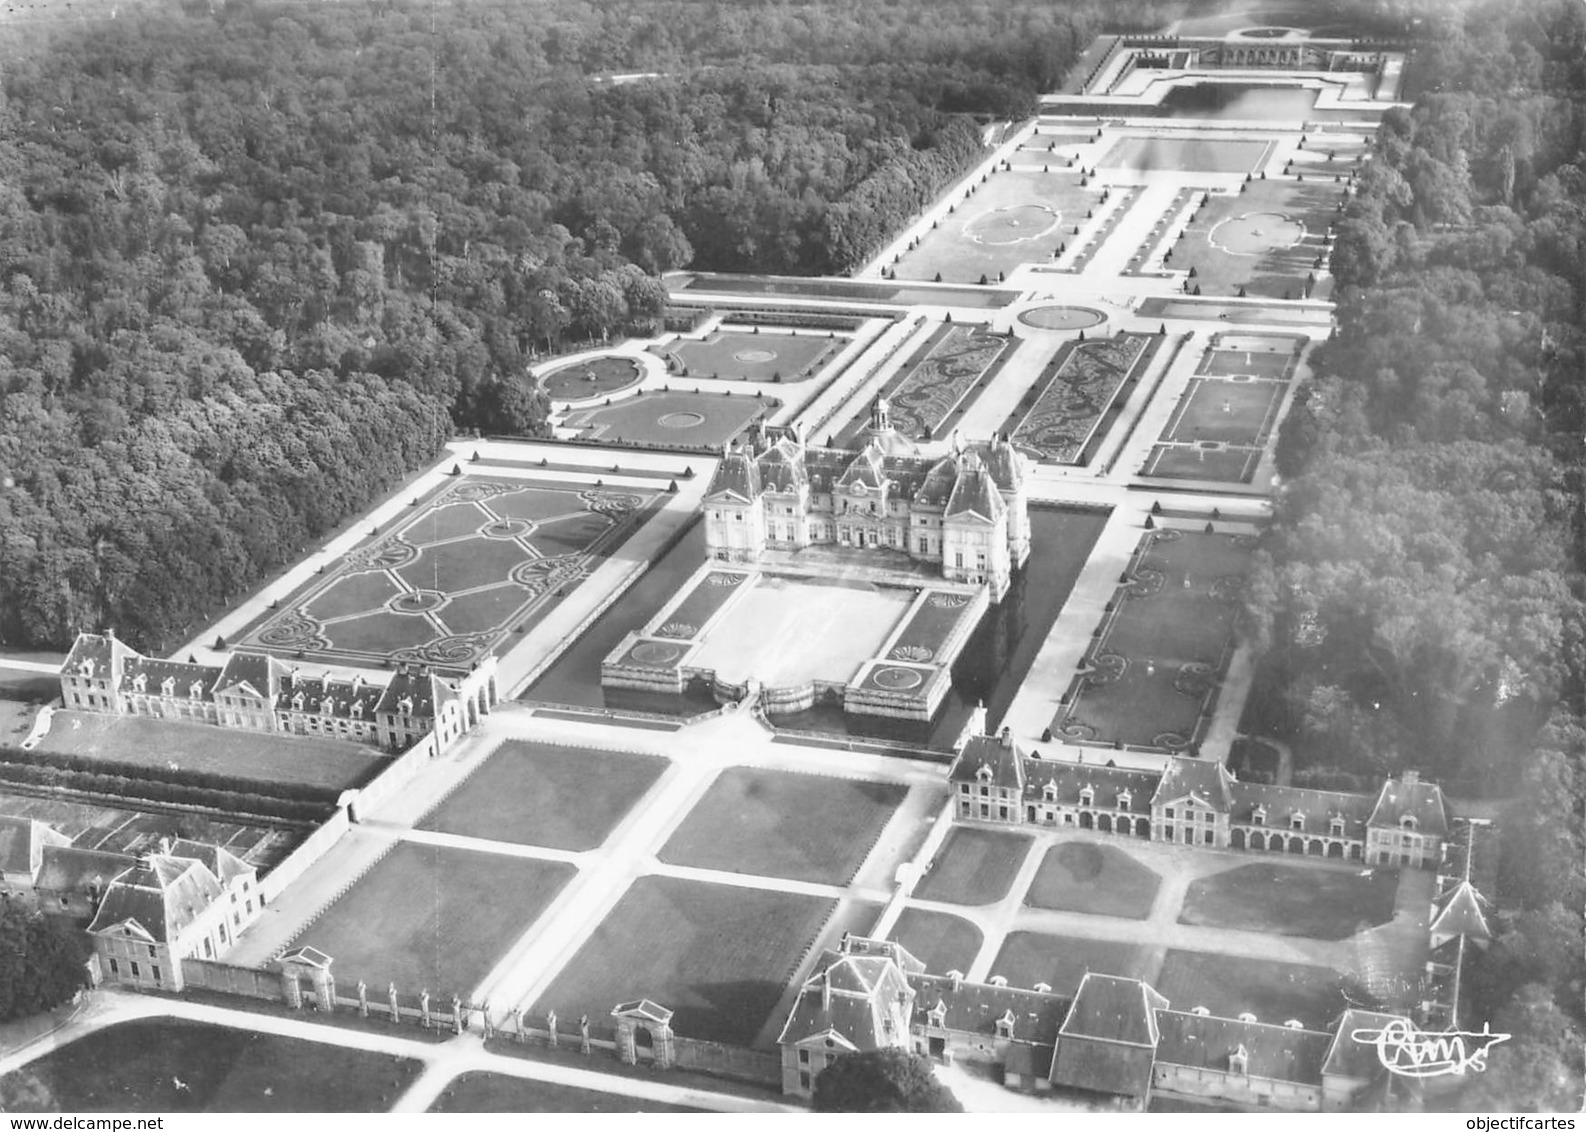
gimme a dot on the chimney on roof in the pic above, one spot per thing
(1006, 735)
(957, 978)
(826, 991)
(110, 632)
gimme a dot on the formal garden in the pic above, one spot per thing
(599, 376)
(1062, 411)
(941, 380)
(1269, 240)
(672, 419)
(974, 866)
(753, 355)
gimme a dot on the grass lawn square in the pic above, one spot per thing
(135, 1067)
(432, 918)
(942, 942)
(1028, 958)
(1230, 985)
(718, 956)
(543, 794)
(442, 524)
(483, 610)
(1231, 412)
(379, 633)
(480, 1091)
(355, 593)
(1015, 217)
(974, 866)
(457, 566)
(1186, 155)
(570, 534)
(333, 764)
(697, 420)
(595, 377)
(1270, 364)
(739, 355)
(1080, 876)
(781, 824)
(536, 504)
(1284, 900)
(1192, 462)
(1266, 239)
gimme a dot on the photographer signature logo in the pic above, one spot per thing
(1409, 1052)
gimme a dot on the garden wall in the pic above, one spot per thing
(223, 977)
(399, 773)
(296, 863)
(756, 1066)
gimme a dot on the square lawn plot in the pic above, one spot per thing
(942, 942)
(135, 1066)
(974, 866)
(1284, 900)
(718, 956)
(1192, 462)
(545, 794)
(746, 356)
(1230, 985)
(1081, 876)
(1282, 269)
(703, 420)
(1270, 364)
(1186, 155)
(427, 917)
(456, 566)
(481, 1091)
(1015, 217)
(781, 824)
(1232, 412)
(1028, 958)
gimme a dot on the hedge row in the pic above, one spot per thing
(175, 776)
(801, 319)
(125, 789)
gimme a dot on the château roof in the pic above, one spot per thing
(975, 1008)
(155, 672)
(1115, 1009)
(737, 477)
(975, 494)
(223, 863)
(1410, 797)
(412, 692)
(1207, 781)
(326, 695)
(781, 468)
(23, 840)
(848, 996)
(94, 655)
(1106, 782)
(69, 869)
(1347, 1057)
(993, 756)
(255, 670)
(1278, 1053)
(160, 896)
(1318, 807)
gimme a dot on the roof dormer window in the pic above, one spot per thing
(1407, 822)
(1296, 821)
(1049, 792)
(1087, 797)
(1336, 827)
(168, 686)
(984, 774)
(1124, 799)
(1258, 816)
(297, 702)
(195, 690)
(140, 683)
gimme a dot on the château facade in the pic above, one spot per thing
(1200, 802)
(965, 512)
(258, 692)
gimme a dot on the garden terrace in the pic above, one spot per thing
(1229, 411)
(940, 381)
(1150, 678)
(1270, 240)
(736, 355)
(1056, 420)
(478, 559)
(690, 421)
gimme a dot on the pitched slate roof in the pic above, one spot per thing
(864, 470)
(101, 652)
(22, 841)
(256, 670)
(1460, 911)
(326, 695)
(999, 757)
(1347, 1057)
(936, 484)
(161, 895)
(736, 477)
(1410, 797)
(411, 692)
(155, 672)
(1114, 1008)
(1280, 1053)
(974, 1008)
(1002, 460)
(69, 869)
(1204, 779)
(1318, 807)
(975, 495)
(1106, 782)
(223, 863)
(848, 996)
(781, 468)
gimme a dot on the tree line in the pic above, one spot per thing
(258, 262)
(1419, 598)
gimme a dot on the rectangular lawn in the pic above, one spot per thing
(252, 756)
(1230, 985)
(974, 866)
(1081, 876)
(482, 1091)
(672, 419)
(1223, 269)
(1028, 958)
(1229, 412)
(782, 824)
(742, 355)
(1285, 900)
(546, 794)
(718, 956)
(1194, 462)
(943, 943)
(433, 918)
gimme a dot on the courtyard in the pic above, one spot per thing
(1281, 900)
(1276, 992)
(974, 866)
(777, 823)
(480, 558)
(1028, 959)
(941, 941)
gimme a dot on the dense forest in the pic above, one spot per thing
(257, 262)
(1420, 599)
